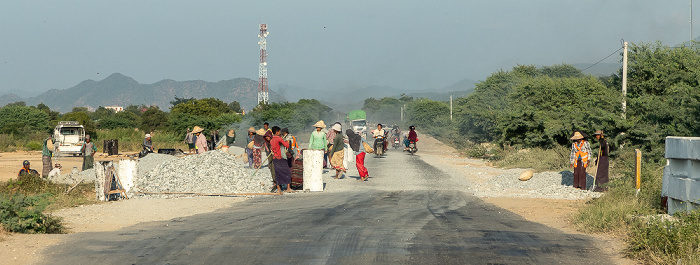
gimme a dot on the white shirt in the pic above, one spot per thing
(378, 133)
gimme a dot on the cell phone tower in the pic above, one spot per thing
(263, 96)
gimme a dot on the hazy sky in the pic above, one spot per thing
(317, 44)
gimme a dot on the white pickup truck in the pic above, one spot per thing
(69, 137)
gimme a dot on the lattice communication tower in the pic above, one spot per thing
(263, 96)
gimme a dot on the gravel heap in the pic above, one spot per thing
(151, 161)
(547, 185)
(213, 172)
(72, 178)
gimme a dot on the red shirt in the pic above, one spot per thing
(412, 136)
(275, 146)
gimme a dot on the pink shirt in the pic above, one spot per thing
(201, 144)
(275, 146)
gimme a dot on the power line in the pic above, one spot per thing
(606, 57)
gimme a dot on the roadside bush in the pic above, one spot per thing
(34, 145)
(663, 241)
(23, 214)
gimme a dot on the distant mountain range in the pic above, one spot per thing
(121, 90)
(354, 99)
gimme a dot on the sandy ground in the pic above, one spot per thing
(24, 249)
(11, 163)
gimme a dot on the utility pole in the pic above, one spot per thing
(450, 107)
(691, 23)
(401, 113)
(624, 80)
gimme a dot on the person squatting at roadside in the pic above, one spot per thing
(354, 141)
(579, 159)
(283, 175)
(26, 171)
(147, 143)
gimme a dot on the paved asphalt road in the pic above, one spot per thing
(408, 213)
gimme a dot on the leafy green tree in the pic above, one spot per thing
(153, 119)
(209, 107)
(53, 115)
(80, 109)
(18, 119)
(235, 107)
(18, 103)
(102, 113)
(427, 113)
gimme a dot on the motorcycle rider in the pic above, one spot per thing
(379, 132)
(412, 137)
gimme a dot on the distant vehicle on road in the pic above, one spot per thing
(69, 137)
(358, 121)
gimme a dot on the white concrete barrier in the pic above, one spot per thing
(127, 173)
(313, 170)
(681, 181)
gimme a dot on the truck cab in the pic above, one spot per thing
(69, 137)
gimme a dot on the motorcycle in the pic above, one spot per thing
(412, 149)
(379, 146)
(397, 143)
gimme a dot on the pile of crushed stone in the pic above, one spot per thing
(213, 172)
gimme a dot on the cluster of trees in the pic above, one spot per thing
(296, 117)
(531, 106)
(208, 113)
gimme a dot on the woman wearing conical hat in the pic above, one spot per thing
(579, 159)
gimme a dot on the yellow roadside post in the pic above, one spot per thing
(638, 169)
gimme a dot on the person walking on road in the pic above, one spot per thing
(601, 176)
(283, 175)
(46, 153)
(88, 150)
(318, 140)
(579, 159)
(354, 141)
(201, 143)
(330, 135)
(337, 152)
(190, 140)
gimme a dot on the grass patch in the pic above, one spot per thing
(24, 201)
(130, 140)
(623, 212)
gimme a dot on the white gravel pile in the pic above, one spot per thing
(151, 161)
(213, 172)
(547, 185)
(72, 178)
